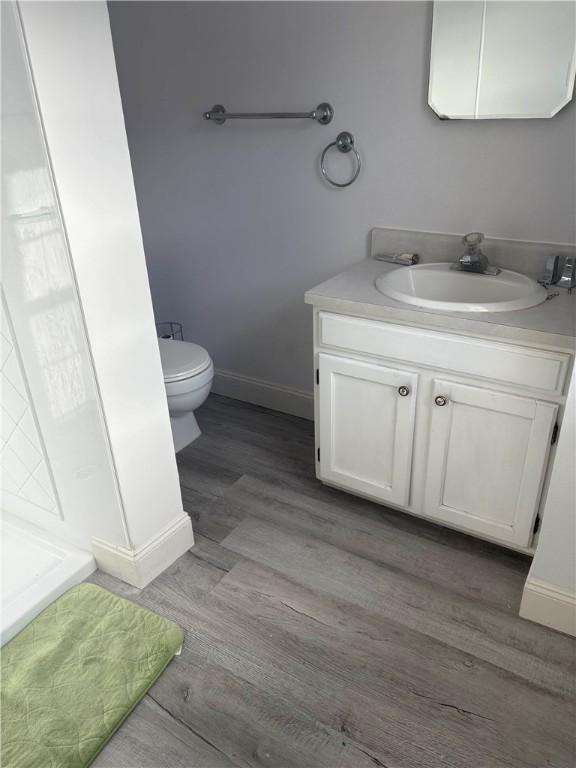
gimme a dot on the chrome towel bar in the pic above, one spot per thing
(323, 114)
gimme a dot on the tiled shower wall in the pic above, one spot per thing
(24, 476)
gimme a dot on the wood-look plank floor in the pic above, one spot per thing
(325, 631)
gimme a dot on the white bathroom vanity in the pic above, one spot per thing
(447, 415)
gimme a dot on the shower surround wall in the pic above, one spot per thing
(47, 378)
(236, 220)
(25, 480)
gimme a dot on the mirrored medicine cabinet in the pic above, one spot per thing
(501, 58)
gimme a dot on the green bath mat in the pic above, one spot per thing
(75, 673)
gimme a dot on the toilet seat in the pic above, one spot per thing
(183, 360)
(191, 384)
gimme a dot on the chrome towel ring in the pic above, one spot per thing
(344, 143)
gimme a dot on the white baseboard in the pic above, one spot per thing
(139, 566)
(274, 396)
(546, 604)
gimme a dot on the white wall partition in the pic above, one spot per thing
(77, 290)
(550, 592)
(72, 59)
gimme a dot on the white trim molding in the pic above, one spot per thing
(264, 393)
(546, 604)
(139, 566)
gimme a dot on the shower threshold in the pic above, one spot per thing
(36, 569)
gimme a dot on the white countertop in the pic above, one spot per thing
(551, 324)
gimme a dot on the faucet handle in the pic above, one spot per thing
(472, 240)
(551, 271)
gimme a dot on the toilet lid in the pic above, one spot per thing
(182, 359)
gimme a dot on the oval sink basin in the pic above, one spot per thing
(437, 286)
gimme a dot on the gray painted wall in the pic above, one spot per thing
(237, 223)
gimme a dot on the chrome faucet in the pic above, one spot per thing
(473, 259)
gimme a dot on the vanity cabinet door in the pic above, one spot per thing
(366, 427)
(487, 454)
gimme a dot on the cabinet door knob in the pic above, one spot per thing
(440, 400)
(403, 391)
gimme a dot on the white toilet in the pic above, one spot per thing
(188, 374)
